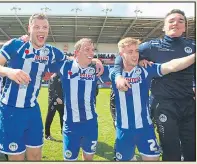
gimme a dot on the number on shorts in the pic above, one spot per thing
(152, 145)
(93, 147)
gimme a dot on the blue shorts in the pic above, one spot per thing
(82, 134)
(20, 128)
(143, 138)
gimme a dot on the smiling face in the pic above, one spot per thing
(38, 30)
(174, 25)
(84, 51)
(128, 48)
(130, 55)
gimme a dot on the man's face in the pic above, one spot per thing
(130, 54)
(174, 25)
(65, 49)
(38, 30)
(86, 52)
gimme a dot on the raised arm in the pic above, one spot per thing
(178, 64)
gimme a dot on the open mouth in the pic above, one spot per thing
(40, 38)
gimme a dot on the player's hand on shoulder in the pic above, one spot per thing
(24, 38)
(18, 75)
(99, 67)
(122, 84)
(145, 63)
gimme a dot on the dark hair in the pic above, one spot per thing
(176, 11)
(37, 16)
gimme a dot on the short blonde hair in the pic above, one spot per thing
(40, 16)
(81, 42)
(127, 41)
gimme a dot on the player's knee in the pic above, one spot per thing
(19, 157)
(34, 154)
(145, 158)
(88, 157)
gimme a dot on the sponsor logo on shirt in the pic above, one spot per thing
(164, 49)
(41, 59)
(81, 76)
(85, 76)
(134, 80)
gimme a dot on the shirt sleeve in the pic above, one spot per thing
(58, 55)
(118, 66)
(144, 51)
(193, 43)
(9, 49)
(154, 70)
(112, 76)
(56, 67)
(105, 76)
(57, 60)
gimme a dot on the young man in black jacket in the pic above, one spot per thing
(173, 102)
(55, 103)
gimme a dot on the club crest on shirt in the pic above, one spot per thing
(13, 146)
(188, 50)
(118, 155)
(163, 118)
(44, 52)
(138, 71)
(90, 71)
(68, 153)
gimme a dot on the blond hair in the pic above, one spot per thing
(40, 16)
(127, 41)
(81, 42)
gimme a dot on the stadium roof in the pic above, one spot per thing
(102, 29)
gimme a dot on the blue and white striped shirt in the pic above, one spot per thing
(79, 89)
(34, 62)
(132, 106)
